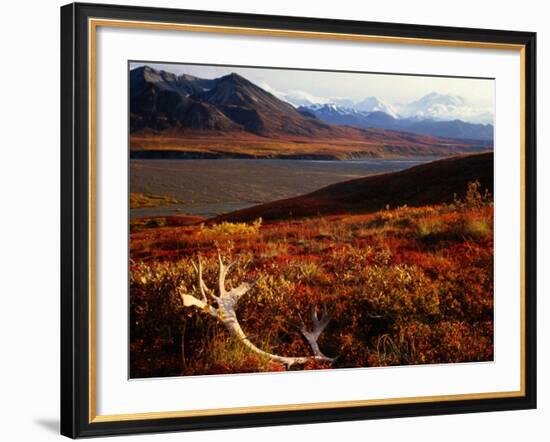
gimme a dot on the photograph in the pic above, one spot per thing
(274, 221)
(285, 219)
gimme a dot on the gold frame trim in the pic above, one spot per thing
(93, 24)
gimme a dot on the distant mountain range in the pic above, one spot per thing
(458, 129)
(164, 106)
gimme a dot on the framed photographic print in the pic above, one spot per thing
(279, 220)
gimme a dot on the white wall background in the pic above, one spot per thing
(29, 223)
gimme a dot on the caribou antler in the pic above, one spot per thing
(225, 312)
(318, 326)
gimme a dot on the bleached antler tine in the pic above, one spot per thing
(314, 317)
(325, 319)
(239, 291)
(191, 301)
(221, 275)
(202, 286)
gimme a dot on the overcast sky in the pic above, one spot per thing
(395, 89)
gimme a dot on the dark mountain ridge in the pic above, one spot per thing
(161, 100)
(185, 84)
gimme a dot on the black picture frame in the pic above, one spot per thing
(76, 418)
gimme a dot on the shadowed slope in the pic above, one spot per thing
(430, 183)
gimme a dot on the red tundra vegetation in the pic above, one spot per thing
(402, 285)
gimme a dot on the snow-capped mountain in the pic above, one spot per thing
(294, 97)
(374, 104)
(332, 108)
(335, 114)
(300, 98)
(445, 107)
